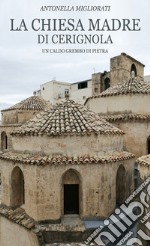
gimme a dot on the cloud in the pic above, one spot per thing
(23, 67)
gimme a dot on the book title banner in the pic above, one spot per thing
(75, 31)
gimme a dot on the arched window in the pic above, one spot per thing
(71, 192)
(106, 83)
(133, 70)
(3, 141)
(148, 145)
(17, 188)
(120, 185)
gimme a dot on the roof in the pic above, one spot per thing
(42, 160)
(126, 117)
(80, 82)
(18, 216)
(55, 82)
(144, 160)
(131, 86)
(67, 118)
(30, 103)
(9, 125)
(130, 57)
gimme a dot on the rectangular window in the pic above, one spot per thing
(66, 91)
(82, 85)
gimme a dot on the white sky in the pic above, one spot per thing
(23, 67)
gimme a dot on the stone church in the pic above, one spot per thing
(17, 115)
(68, 167)
(61, 164)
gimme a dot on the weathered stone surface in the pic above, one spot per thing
(64, 160)
(18, 216)
(44, 187)
(15, 234)
(144, 160)
(94, 150)
(18, 114)
(126, 106)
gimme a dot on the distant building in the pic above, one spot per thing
(121, 68)
(53, 91)
(80, 91)
(56, 91)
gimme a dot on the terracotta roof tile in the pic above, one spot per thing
(31, 103)
(18, 216)
(67, 118)
(64, 160)
(131, 86)
(126, 117)
(144, 160)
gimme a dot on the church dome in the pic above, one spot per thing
(31, 103)
(132, 86)
(67, 118)
(129, 97)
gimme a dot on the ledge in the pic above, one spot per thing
(144, 160)
(126, 117)
(42, 160)
(18, 216)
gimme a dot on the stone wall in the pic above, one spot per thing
(24, 116)
(17, 116)
(136, 135)
(30, 186)
(136, 131)
(15, 235)
(144, 171)
(137, 103)
(99, 82)
(120, 67)
(9, 117)
(44, 188)
(95, 145)
(10, 121)
(7, 129)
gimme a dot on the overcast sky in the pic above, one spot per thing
(23, 67)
